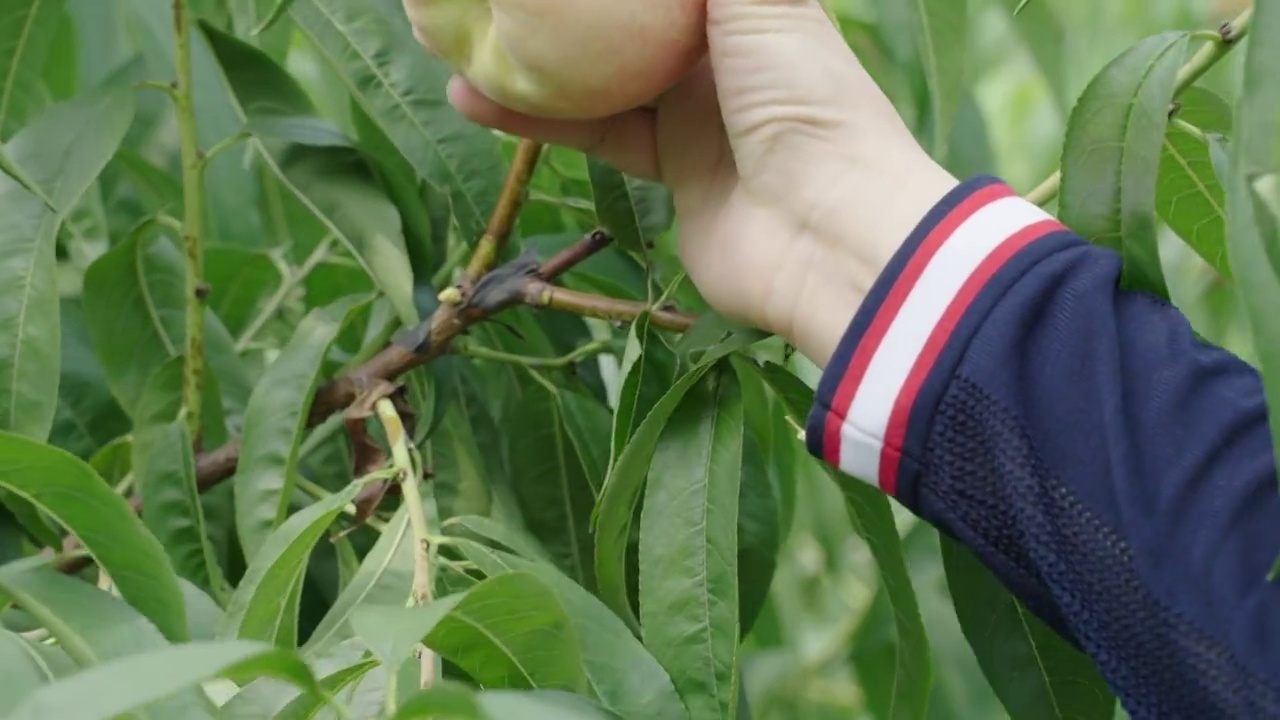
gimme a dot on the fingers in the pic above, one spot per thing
(627, 141)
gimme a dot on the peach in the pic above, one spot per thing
(565, 59)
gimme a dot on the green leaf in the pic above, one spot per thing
(450, 701)
(625, 677)
(689, 545)
(1111, 157)
(1033, 670)
(647, 370)
(275, 421)
(57, 158)
(69, 491)
(759, 534)
(27, 32)
(941, 33)
(88, 418)
(384, 578)
(116, 689)
(264, 605)
(1189, 195)
(621, 494)
(508, 631)
(905, 692)
(134, 300)
(318, 165)
(402, 89)
(27, 665)
(165, 474)
(555, 445)
(306, 705)
(634, 211)
(92, 626)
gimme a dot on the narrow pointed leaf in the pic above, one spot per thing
(634, 211)
(274, 423)
(134, 299)
(689, 545)
(1255, 258)
(27, 32)
(558, 456)
(28, 665)
(384, 578)
(59, 156)
(1111, 157)
(265, 603)
(92, 626)
(165, 475)
(904, 691)
(116, 689)
(72, 494)
(621, 495)
(402, 89)
(318, 164)
(1189, 194)
(508, 631)
(941, 32)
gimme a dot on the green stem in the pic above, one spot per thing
(1216, 48)
(479, 352)
(291, 281)
(318, 493)
(402, 460)
(224, 144)
(193, 219)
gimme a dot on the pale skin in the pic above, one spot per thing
(794, 178)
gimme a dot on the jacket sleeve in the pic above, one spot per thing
(1112, 469)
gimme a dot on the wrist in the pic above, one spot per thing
(857, 242)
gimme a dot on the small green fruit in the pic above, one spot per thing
(565, 59)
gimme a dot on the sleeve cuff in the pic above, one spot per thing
(876, 399)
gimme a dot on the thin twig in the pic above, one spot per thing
(574, 255)
(193, 221)
(402, 460)
(1228, 35)
(589, 350)
(514, 192)
(291, 281)
(538, 293)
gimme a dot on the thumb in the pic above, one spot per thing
(788, 82)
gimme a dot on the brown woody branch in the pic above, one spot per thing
(510, 202)
(523, 281)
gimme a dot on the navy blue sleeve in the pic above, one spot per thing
(1115, 472)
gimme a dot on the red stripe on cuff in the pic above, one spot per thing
(896, 433)
(886, 313)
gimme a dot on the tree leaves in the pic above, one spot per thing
(274, 422)
(27, 32)
(1253, 240)
(559, 459)
(401, 89)
(50, 165)
(71, 493)
(264, 605)
(115, 687)
(1189, 195)
(1111, 157)
(689, 545)
(319, 165)
(941, 33)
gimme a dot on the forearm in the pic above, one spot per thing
(1113, 470)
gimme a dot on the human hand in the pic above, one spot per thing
(794, 179)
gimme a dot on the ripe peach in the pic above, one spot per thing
(565, 59)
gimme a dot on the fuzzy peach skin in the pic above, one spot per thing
(565, 59)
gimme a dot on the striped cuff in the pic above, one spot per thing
(876, 400)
